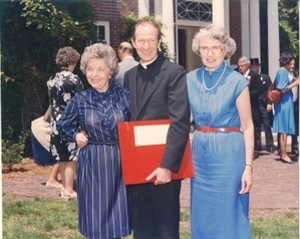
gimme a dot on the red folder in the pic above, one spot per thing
(138, 162)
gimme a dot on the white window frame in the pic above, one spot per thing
(105, 24)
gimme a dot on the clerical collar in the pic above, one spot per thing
(145, 65)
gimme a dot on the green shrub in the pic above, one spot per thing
(12, 152)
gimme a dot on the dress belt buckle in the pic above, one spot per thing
(222, 129)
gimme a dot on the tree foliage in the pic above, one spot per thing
(289, 26)
(288, 29)
(12, 152)
(31, 34)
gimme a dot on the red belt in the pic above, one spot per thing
(207, 129)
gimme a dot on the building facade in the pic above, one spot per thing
(182, 18)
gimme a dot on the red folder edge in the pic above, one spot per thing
(138, 162)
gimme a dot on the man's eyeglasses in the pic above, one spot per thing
(216, 50)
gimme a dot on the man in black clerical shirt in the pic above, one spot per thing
(158, 91)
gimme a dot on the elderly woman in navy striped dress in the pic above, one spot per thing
(90, 119)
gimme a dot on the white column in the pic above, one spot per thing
(227, 22)
(245, 28)
(273, 37)
(158, 9)
(143, 8)
(254, 29)
(218, 8)
(163, 11)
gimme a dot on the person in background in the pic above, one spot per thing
(125, 53)
(62, 87)
(223, 143)
(284, 120)
(158, 91)
(256, 89)
(295, 91)
(90, 120)
(265, 108)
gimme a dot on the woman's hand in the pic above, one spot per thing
(81, 139)
(294, 83)
(247, 180)
(269, 108)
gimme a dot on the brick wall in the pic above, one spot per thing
(114, 11)
(235, 28)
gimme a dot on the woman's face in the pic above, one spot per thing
(212, 52)
(98, 74)
(291, 66)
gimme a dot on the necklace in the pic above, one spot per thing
(218, 81)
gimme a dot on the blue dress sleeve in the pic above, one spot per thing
(282, 79)
(127, 104)
(68, 124)
(240, 83)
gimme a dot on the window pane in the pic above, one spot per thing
(194, 11)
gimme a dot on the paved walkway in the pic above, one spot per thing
(276, 185)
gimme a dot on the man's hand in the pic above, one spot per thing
(162, 175)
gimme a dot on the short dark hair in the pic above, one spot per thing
(66, 56)
(285, 58)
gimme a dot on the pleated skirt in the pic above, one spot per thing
(102, 197)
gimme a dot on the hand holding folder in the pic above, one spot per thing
(142, 145)
(160, 175)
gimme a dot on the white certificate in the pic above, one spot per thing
(150, 134)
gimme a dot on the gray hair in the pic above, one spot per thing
(217, 33)
(244, 60)
(100, 51)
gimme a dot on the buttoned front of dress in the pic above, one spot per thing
(219, 157)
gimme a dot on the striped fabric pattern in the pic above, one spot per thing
(102, 196)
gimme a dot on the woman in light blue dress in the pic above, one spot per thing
(223, 143)
(284, 120)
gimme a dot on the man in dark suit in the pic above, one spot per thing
(265, 107)
(256, 89)
(158, 91)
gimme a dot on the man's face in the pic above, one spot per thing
(243, 67)
(255, 68)
(146, 42)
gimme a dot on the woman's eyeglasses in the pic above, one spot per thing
(216, 50)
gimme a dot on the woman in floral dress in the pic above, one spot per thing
(62, 87)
